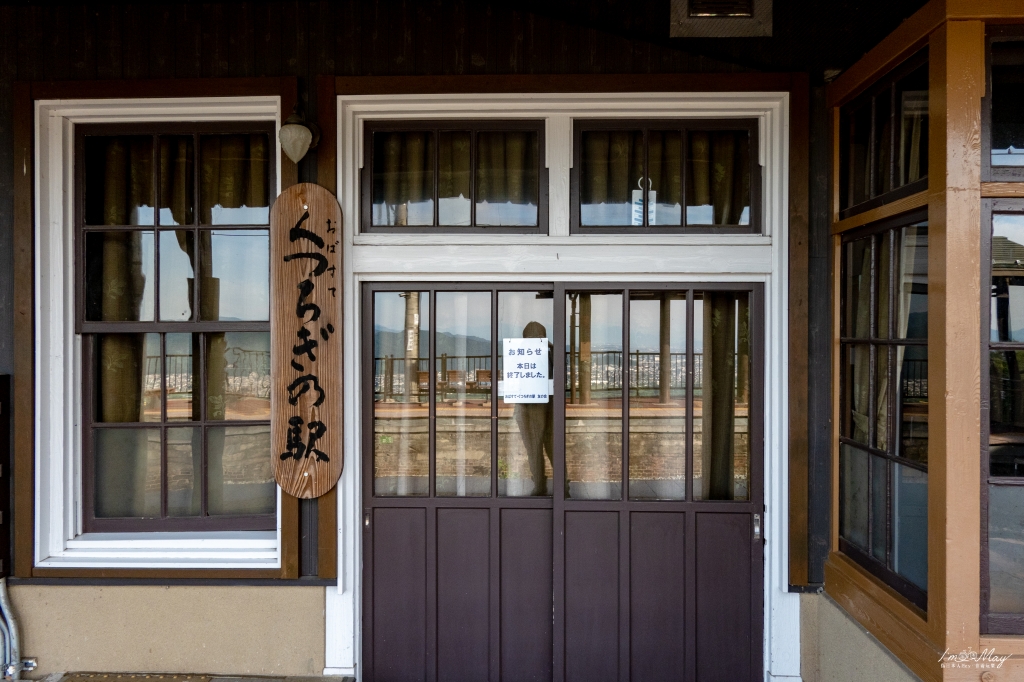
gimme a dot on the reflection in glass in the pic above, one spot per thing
(611, 177)
(525, 436)
(912, 282)
(718, 178)
(506, 178)
(882, 397)
(879, 502)
(234, 179)
(462, 349)
(401, 391)
(127, 378)
(854, 508)
(1007, 305)
(665, 173)
(1006, 549)
(910, 524)
(1007, 103)
(240, 479)
(184, 461)
(119, 276)
(177, 158)
(119, 180)
(912, 107)
(855, 173)
(127, 472)
(593, 397)
(177, 276)
(721, 424)
(912, 388)
(235, 272)
(403, 178)
(883, 143)
(1006, 413)
(657, 395)
(883, 286)
(858, 392)
(858, 289)
(453, 191)
(237, 375)
(182, 376)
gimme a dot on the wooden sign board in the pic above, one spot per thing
(305, 340)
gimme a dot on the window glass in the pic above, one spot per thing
(1006, 317)
(453, 180)
(241, 481)
(127, 472)
(119, 277)
(665, 177)
(177, 181)
(912, 137)
(718, 178)
(506, 178)
(1007, 103)
(234, 274)
(403, 178)
(234, 179)
(882, 180)
(611, 175)
(119, 180)
(1006, 549)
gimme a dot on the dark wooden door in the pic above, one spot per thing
(612, 533)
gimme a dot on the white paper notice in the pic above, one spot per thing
(525, 370)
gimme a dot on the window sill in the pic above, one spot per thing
(213, 550)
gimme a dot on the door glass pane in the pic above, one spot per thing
(506, 178)
(665, 173)
(234, 275)
(858, 392)
(184, 462)
(127, 472)
(238, 375)
(912, 385)
(858, 289)
(240, 479)
(593, 396)
(182, 377)
(611, 177)
(119, 180)
(910, 524)
(119, 278)
(177, 274)
(721, 341)
(718, 178)
(525, 437)
(854, 481)
(879, 506)
(1007, 306)
(912, 108)
(234, 179)
(127, 378)
(462, 395)
(882, 397)
(912, 282)
(1006, 548)
(453, 165)
(1007, 103)
(177, 187)
(403, 178)
(657, 395)
(1006, 413)
(401, 392)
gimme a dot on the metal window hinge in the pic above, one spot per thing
(757, 528)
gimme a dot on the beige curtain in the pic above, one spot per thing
(720, 173)
(453, 165)
(860, 391)
(613, 166)
(665, 166)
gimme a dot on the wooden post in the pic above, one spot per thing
(585, 359)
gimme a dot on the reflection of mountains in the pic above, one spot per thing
(387, 342)
(181, 344)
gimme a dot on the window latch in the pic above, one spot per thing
(757, 528)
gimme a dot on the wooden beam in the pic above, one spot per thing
(882, 212)
(1002, 190)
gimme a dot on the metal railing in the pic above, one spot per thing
(247, 373)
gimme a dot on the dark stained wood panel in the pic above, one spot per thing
(463, 589)
(399, 595)
(591, 596)
(526, 583)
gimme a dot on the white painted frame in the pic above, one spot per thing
(59, 540)
(580, 257)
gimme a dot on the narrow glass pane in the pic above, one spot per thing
(403, 178)
(1007, 306)
(240, 479)
(1006, 549)
(462, 347)
(184, 461)
(879, 506)
(234, 179)
(127, 472)
(119, 277)
(119, 180)
(912, 282)
(854, 495)
(525, 436)
(882, 397)
(593, 396)
(665, 173)
(177, 180)
(177, 274)
(721, 405)
(611, 177)
(453, 166)
(182, 376)
(237, 375)
(883, 143)
(657, 395)
(127, 378)
(884, 287)
(857, 289)
(858, 392)
(1006, 413)
(1007, 103)
(401, 392)
(912, 109)
(910, 524)
(234, 275)
(507, 171)
(912, 384)
(718, 178)
(855, 163)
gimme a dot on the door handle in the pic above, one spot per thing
(757, 528)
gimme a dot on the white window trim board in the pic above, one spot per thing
(59, 540)
(582, 257)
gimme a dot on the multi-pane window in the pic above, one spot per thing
(454, 176)
(883, 139)
(173, 307)
(665, 176)
(883, 443)
(1004, 126)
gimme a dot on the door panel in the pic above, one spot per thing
(526, 583)
(591, 596)
(399, 594)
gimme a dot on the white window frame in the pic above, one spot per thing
(59, 540)
(559, 255)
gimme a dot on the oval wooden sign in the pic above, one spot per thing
(305, 340)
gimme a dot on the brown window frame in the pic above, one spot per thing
(683, 125)
(864, 558)
(473, 126)
(88, 329)
(888, 83)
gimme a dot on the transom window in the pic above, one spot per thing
(173, 306)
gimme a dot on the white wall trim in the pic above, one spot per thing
(59, 541)
(564, 257)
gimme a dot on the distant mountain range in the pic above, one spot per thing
(389, 342)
